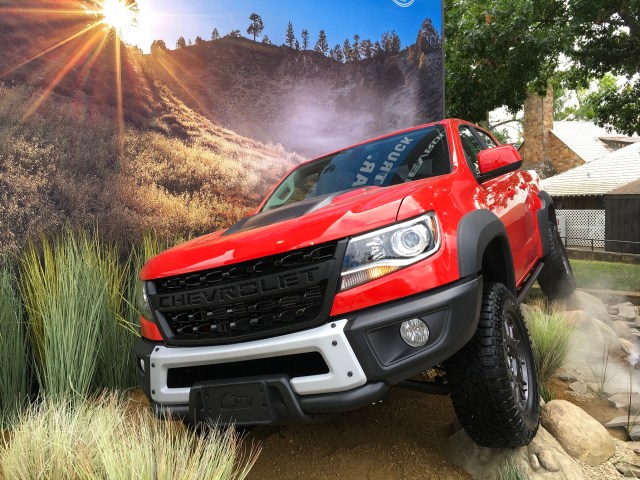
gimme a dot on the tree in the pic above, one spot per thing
(290, 38)
(496, 51)
(377, 48)
(181, 42)
(366, 48)
(336, 54)
(256, 26)
(321, 45)
(158, 46)
(234, 34)
(266, 40)
(355, 51)
(199, 40)
(391, 42)
(305, 39)
(215, 35)
(189, 43)
(346, 49)
(297, 46)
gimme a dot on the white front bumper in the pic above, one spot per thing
(344, 373)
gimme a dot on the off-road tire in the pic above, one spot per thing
(496, 401)
(556, 278)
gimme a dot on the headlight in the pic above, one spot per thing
(387, 250)
(142, 301)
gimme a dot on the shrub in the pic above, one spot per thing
(13, 348)
(550, 336)
(107, 438)
(67, 296)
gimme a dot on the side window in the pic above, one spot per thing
(487, 139)
(471, 147)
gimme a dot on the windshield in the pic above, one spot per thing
(389, 161)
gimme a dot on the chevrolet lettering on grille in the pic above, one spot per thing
(257, 288)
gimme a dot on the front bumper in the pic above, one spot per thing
(363, 352)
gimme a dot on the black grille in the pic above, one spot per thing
(248, 300)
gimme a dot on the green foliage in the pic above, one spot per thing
(14, 380)
(70, 439)
(256, 26)
(290, 37)
(496, 50)
(321, 45)
(510, 471)
(550, 338)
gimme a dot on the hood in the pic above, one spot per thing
(306, 223)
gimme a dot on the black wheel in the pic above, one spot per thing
(492, 379)
(556, 278)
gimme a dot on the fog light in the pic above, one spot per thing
(414, 332)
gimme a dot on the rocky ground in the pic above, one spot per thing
(411, 435)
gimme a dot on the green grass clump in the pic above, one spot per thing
(14, 383)
(67, 289)
(606, 275)
(510, 471)
(108, 438)
(550, 337)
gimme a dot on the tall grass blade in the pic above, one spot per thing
(14, 382)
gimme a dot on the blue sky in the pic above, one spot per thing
(169, 19)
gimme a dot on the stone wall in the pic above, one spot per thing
(559, 156)
(538, 122)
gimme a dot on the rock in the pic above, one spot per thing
(622, 421)
(548, 461)
(621, 400)
(621, 329)
(567, 375)
(634, 445)
(593, 335)
(613, 311)
(583, 301)
(629, 348)
(634, 432)
(627, 311)
(580, 434)
(485, 463)
(534, 462)
(578, 387)
(628, 469)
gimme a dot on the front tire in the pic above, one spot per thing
(556, 278)
(492, 379)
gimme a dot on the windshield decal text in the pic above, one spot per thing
(387, 166)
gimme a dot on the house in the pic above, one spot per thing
(581, 195)
(553, 147)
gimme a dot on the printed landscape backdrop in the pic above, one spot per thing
(183, 116)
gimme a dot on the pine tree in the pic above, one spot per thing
(355, 52)
(234, 34)
(321, 45)
(199, 40)
(158, 46)
(266, 40)
(305, 39)
(256, 26)
(366, 48)
(215, 35)
(336, 54)
(290, 38)
(181, 42)
(346, 49)
(297, 44)
(377, 48)
(189, 42)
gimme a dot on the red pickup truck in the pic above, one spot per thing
(361, 270)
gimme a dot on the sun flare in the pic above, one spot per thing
(118, 14)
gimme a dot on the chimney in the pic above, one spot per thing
(538, 121)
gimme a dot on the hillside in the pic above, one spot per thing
(301, 99)
(68, 154)
(93, 132)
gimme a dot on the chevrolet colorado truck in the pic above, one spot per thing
(360, 271)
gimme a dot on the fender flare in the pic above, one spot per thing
(546, 215)
(476, 230)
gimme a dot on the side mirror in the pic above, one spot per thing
(498, 161)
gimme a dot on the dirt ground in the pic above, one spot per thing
(404, 437)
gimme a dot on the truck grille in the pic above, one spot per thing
(248, 300)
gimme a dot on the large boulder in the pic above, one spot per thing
(579, 300)
(543, 459)
(580, 435)
(593, 334)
